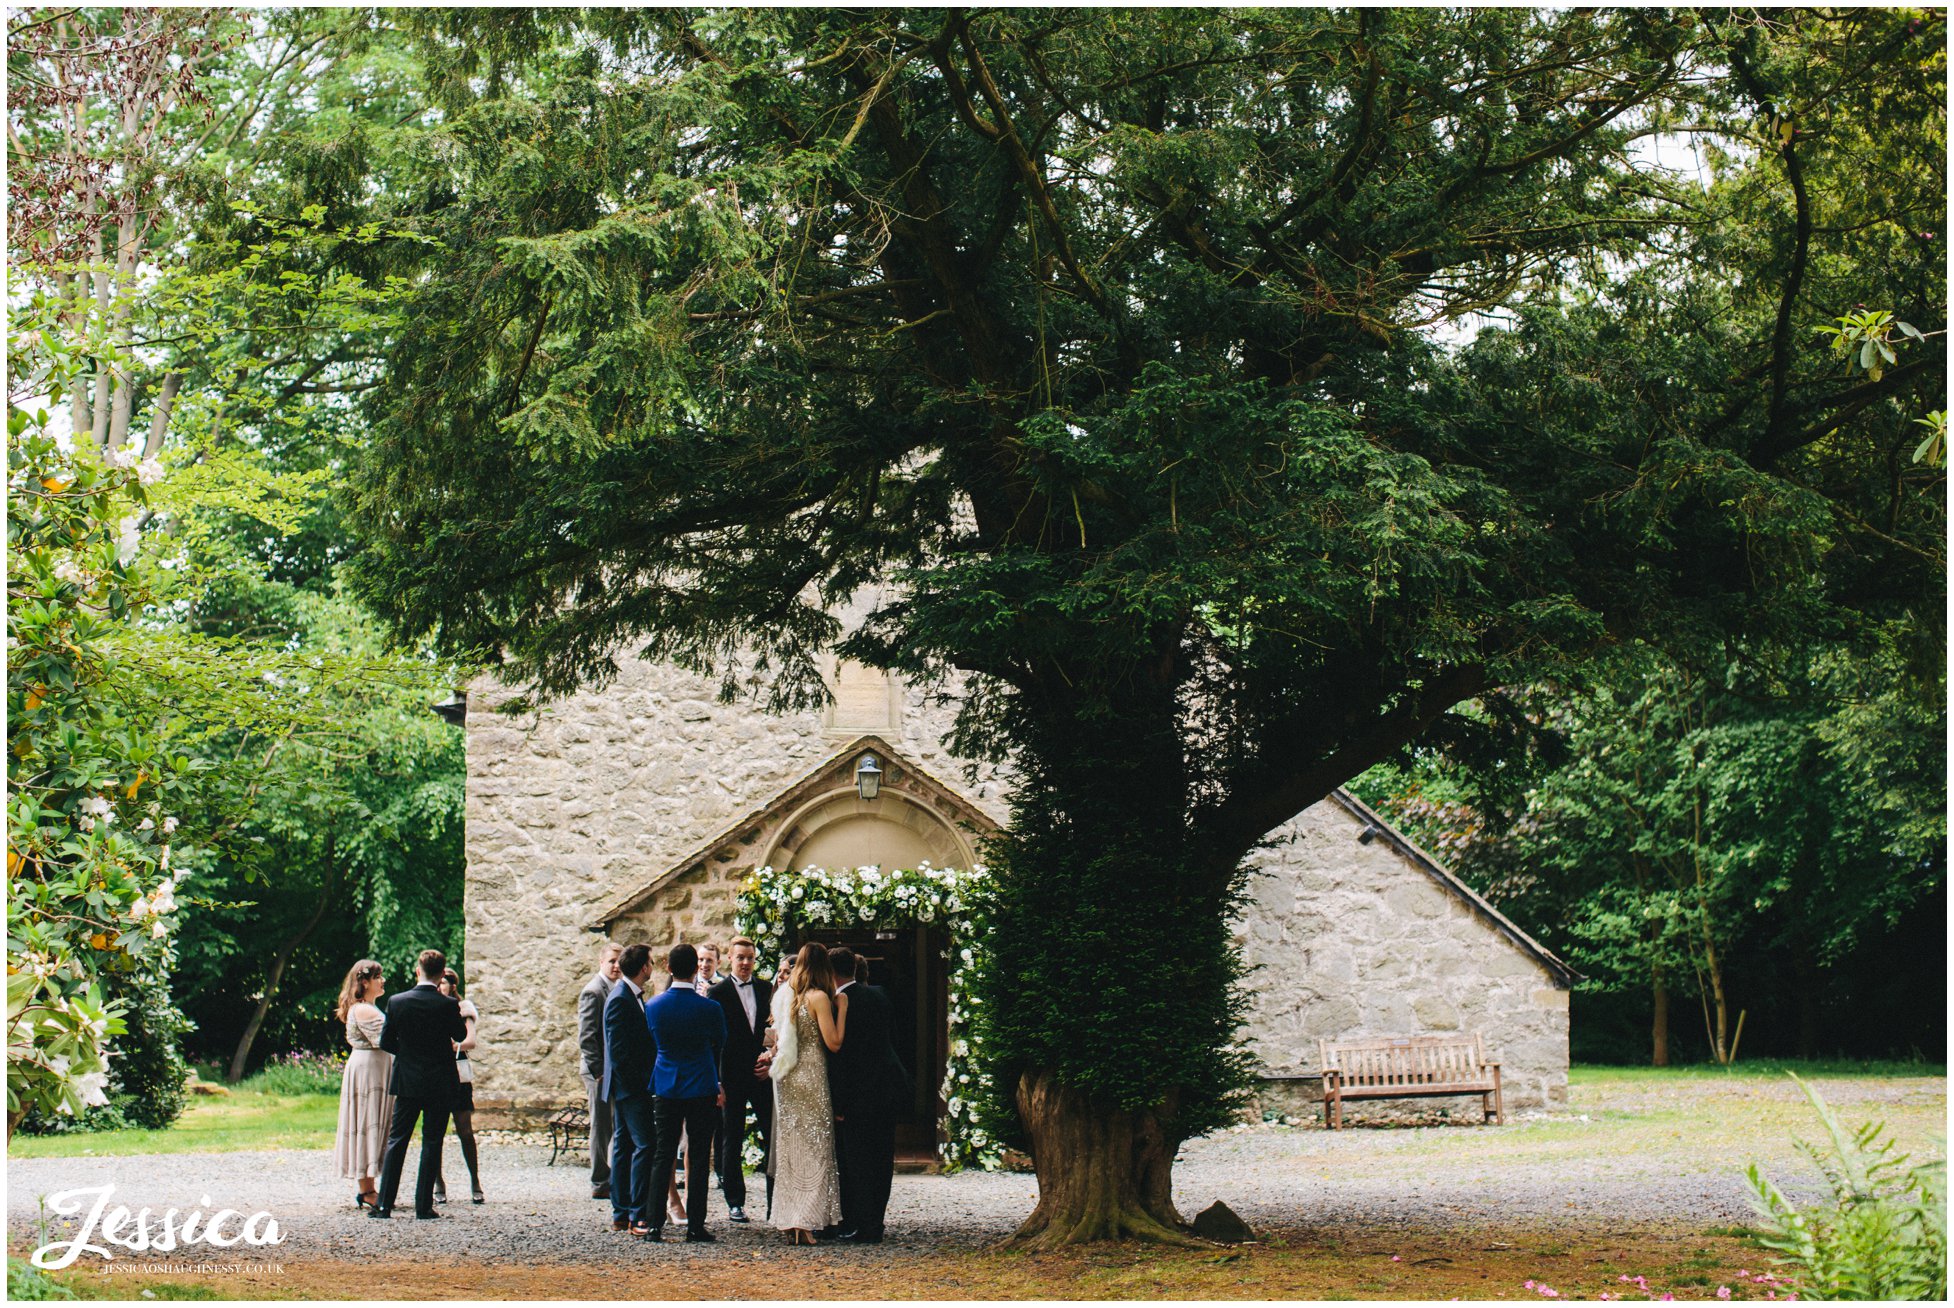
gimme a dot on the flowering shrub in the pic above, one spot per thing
(776, 907)
(90, 884)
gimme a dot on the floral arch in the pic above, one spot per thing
(775, 907)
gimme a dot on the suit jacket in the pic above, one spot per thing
(689, 1031)
(590, 1026)
(422, 1026)
(628, 1051)
(865, 1078)
(744, 1040)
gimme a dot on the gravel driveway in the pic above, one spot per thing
(1655, 1156)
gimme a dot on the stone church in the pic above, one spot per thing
(633, 813)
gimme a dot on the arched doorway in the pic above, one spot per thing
(840, 830)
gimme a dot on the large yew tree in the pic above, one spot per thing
(1145, 357)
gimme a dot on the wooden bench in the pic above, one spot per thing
(1407, 1067)
(569, 1129)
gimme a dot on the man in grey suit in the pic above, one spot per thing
(590, 1039)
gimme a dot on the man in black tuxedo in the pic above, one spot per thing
(629, 1055)
(746, 1000)
(422, 1027)
(869, 1087)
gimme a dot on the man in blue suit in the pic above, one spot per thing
(689, 1031)
(628, 1058)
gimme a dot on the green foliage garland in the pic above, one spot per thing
(776, 907)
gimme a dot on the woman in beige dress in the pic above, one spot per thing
(807, 1187)
(365, 1107)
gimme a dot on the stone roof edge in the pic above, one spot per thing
(965, 810)
(1437, 871)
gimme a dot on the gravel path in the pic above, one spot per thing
(1656, 1156)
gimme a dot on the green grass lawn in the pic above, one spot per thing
(1808, 1068)
(243, 1119)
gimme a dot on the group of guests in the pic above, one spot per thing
(808, 1059)
(409, 1065)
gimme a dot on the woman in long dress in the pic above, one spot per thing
(807, 1189)
(365, 1107)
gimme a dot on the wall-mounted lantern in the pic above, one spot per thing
(868, 777)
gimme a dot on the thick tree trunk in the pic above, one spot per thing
(1099, 872)
(1659, 1032)
(1102, 1174)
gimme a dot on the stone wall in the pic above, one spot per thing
(571, 808)
(1350, 939)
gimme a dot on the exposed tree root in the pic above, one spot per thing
(1103, 1174)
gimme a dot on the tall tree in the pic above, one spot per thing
(196, 333)
(1102, 336)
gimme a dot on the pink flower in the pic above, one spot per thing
(1396, 1259)
(1723, 1292)
(1743, 1274)
(1623, 1278)
(1529, 1285)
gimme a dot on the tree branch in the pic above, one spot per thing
(1252, 811)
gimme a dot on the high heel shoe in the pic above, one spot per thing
(440, 1194)
(365, 1199)
(475, 1195)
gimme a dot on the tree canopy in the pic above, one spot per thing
(1220, 398)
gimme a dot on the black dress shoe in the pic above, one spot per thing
(600, 1192)
(382, 1213)
(701, 1237)
(427, 1216)
(858, 1237)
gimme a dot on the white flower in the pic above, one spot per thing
(120, 457)
(60, 1064)
(149, 471)
(96, 805)
(169, 825)
(797, 892)
(94, 1088)
(128, 542)
(163, 860)
(71, 572)
(159, 928)
(139, 910)
(147, 824)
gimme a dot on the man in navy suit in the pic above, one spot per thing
(628, 1058)
(689, 1031)
(422, 1026)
